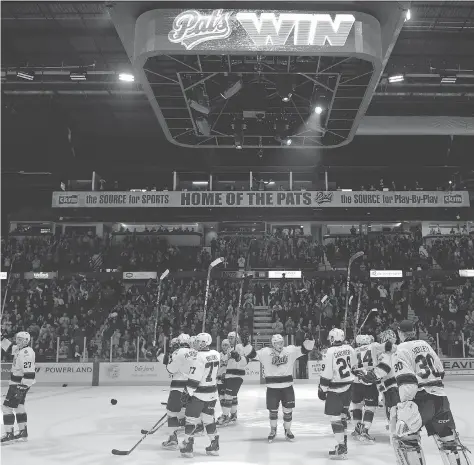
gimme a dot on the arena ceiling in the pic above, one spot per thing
(54, 39)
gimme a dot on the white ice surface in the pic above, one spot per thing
(79, 426)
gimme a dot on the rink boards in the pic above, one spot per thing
(154, 373)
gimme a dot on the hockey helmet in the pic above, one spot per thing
(203, 341)
(336, 335)
(278, 342)
(387, 336)
(22, 338)
(183, 340)
(225, 345)
(363, 340)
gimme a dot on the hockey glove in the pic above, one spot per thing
(20, 393)
(368, 377)
(322, 394)
(185, 397)
(235, 355)
(245, 339)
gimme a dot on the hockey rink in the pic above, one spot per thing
(79, 426)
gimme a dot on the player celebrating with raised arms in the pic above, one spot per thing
(22, 377)
(278, 362)
(234, 377)
(423, 402)
(335, 387)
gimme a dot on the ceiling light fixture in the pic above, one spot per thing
(25, 75)
(126, 77)
(78, 76)
(318, 109)
(199, 107)
(449, 80)
(232, 90)
(396, 78)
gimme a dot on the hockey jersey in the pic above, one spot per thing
(177, 367)
(366, 357)
(278, 366)
(222, 367)
(417, 367)
(237, 369)
(384, 369)
(202, 374)
(337, 373)
(23, 366)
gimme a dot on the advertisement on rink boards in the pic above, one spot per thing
(79, 374)
(315, 368)
(283, 199)
(130, 373)
(458, 366)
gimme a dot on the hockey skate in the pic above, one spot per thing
(213, 449)
(187, 449)
(357, 431)
(339, 452)
(8, 439)
(22, 435)
(171, 443)
(199, 431)
(271, 436)
(233, 418)
(289, 435)
(365, 437)
(223, 420)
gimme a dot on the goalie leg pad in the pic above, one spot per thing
(409, 420)
(452, 451)
(408, 450)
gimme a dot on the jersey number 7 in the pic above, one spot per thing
(211, 366)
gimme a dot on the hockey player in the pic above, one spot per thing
(200, 395)
(419, 373)
(235, 372)
(365, 396)
(335, 387)
(278, 363)
(225, 351)
(21, 379)
(174, 363)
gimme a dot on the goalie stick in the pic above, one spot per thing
(155, 427)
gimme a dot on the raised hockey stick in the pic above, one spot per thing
(155, 427)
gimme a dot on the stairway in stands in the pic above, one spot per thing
(262, 326)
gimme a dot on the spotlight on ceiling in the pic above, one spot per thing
(318, 109)
(232, 90)
(408, 15)
(396, 78)
(285, 88)
(25, 75)
(78, 76)
(286, 141)
(126, 77)
(239, 127)
(203, 126)
(199, 107)
(282, 130)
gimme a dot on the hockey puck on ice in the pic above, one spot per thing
(113, 401)
(64, 385)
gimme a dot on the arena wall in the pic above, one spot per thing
(152, 373)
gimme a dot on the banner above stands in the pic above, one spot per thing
(295, 199)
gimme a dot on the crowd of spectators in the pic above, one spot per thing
(116, 317)
(64, 314)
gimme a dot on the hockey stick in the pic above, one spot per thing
(158, 299)
(155, 427)
(153, 430)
